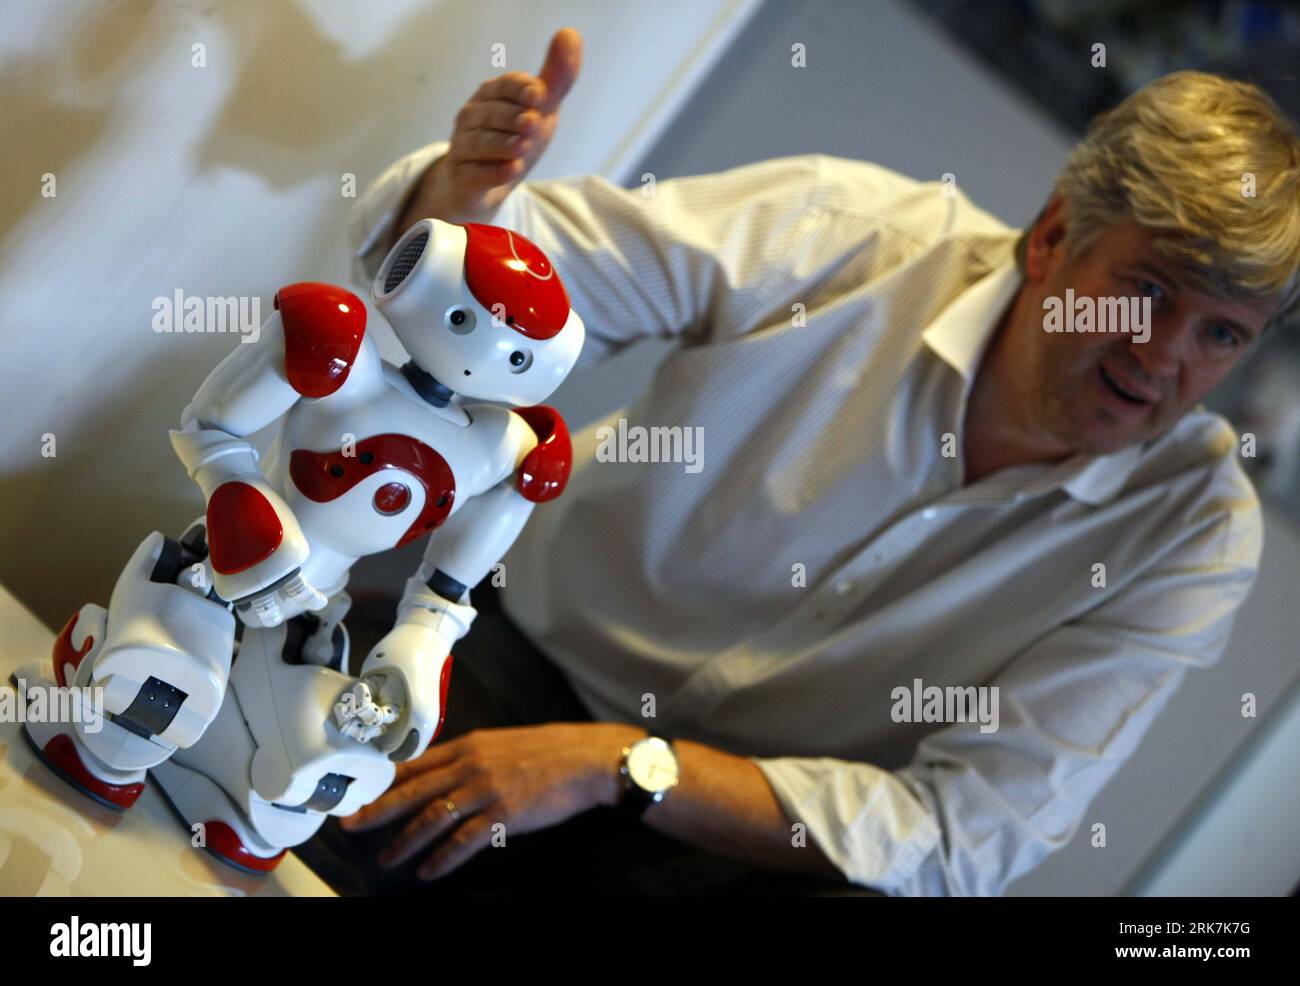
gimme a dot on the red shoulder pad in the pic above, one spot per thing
(545, 470)
(323, 328)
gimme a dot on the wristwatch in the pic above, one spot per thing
(649, 770)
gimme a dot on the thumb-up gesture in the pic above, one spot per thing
(499, 135)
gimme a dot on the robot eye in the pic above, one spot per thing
(460, 320)
(520, 360)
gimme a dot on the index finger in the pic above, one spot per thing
(399, 801)
(436, 755)
(518, 87)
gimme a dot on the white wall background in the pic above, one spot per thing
(225, 180)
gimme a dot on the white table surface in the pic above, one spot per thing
(55, 841)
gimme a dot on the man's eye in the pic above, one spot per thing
(1227, 336)
(1156, 288)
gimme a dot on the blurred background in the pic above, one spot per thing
(206, 147)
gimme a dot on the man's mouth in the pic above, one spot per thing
(1126, 392)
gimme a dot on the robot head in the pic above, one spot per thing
(481, 309)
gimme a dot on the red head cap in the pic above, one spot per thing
(503, 268)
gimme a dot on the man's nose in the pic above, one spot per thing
(1163, 352)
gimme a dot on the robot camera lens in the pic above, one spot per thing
(460, 320)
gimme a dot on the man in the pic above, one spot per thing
(911, 487)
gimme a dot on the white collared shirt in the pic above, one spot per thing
(791, 597)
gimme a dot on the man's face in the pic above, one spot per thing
(1068, 380)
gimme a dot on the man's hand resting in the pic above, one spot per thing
(525, 778)
(499, 135)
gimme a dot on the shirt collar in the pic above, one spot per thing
(959, 336)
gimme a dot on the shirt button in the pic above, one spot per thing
(843, 587)
(929, 513)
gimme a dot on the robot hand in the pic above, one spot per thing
(399, 700)
(359, 717)
(268, 609)
(253, 512)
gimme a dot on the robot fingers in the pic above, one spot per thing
(304, 593)
(355, 730)
(359, 717)
(268, 608)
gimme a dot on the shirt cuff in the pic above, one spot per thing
(866, 820)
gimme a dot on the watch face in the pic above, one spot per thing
(652, 764)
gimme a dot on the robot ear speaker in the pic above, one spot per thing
(408, 255)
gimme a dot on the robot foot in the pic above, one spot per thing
(57, 745)
(213, 820)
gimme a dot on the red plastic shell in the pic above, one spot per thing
(323, 328)
(545, 470)
(326, 476)
(225, 842)
(67, 656)
(61, 752)
(243, 527)
(504, 268)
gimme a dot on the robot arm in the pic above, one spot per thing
(409, 669)
(257, 547)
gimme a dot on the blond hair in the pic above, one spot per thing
(1176, 157)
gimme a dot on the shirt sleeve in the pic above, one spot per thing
(974, 810)
(370, 223)
(698, 258)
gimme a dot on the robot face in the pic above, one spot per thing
(482, 309)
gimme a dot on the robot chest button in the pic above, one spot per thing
(392, 498)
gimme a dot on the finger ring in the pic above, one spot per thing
(451, 807)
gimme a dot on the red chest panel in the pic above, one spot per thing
(325, 476)
(323, 328)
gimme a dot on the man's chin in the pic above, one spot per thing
(1103, 440)
(1107, 448)
(1104, 434)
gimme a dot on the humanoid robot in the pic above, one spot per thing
(255, 741)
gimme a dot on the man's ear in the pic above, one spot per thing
(1047, 239)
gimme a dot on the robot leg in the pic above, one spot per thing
(145, 677)
(273, 764)
(324, 637)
